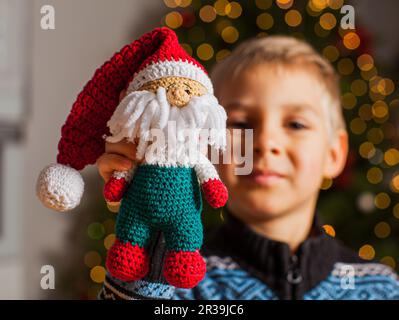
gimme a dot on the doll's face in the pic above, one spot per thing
(183, 103)
(179, 90)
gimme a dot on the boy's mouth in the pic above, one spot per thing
(265, 178)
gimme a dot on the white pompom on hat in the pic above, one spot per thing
(155, 55)
(60, 187)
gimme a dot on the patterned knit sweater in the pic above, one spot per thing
(243, 265)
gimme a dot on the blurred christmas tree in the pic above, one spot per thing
(360, 207)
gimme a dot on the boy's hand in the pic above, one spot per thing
(117, 157)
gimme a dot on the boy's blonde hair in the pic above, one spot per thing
(287, 52)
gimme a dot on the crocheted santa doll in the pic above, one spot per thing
(169, 98)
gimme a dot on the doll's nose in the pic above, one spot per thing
(178, 97)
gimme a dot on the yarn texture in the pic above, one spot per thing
(164, 86)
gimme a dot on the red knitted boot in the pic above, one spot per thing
(184, 269)
(127, 262)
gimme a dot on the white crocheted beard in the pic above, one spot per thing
(144, 115)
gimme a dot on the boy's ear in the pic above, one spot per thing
(337, 156)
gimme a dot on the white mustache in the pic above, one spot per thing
(141, 111)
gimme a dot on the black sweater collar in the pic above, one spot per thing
(289, 276)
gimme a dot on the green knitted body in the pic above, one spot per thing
(162, 198)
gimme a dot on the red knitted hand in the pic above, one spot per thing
(215, 193)
(114, 189)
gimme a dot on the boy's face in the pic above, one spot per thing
(293, 149)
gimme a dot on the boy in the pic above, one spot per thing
(271, 245)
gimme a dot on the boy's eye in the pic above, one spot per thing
(238, 125)
(296, 125)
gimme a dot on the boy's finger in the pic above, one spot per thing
(108, 163)
(122, 148)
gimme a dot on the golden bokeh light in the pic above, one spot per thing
(395, 183)
(385, 86)
(367, 252)
(329, 229)
(351, 40)
(311, 10)
(172, 3)
(382, 230)
(326, 184)
(207, 13)
(379, 109)
(97, 274)
(331, 53)
(349, 100)
(373, 84)
(174, 20)
(318, 5)
(389, 261)
(328, 21)
(366, 150)
(109, 241)
(375, 135)
(365, 62)
(284, 4)
(391, 157)
(235, 10)
(205, 52)
(293, 18)
(357, 126)
(374, 175)
(265, 21)
(230, 34)
(382, 200)
(222, 7)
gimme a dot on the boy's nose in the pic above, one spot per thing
(268, 147)
(266, 142)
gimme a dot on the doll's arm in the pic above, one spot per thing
(116, 186)
(215, 192)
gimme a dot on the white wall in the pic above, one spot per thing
(62, 60)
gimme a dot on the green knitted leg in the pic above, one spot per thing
(131, 227)
(186, 233)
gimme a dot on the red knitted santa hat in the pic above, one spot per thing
(155, 55)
